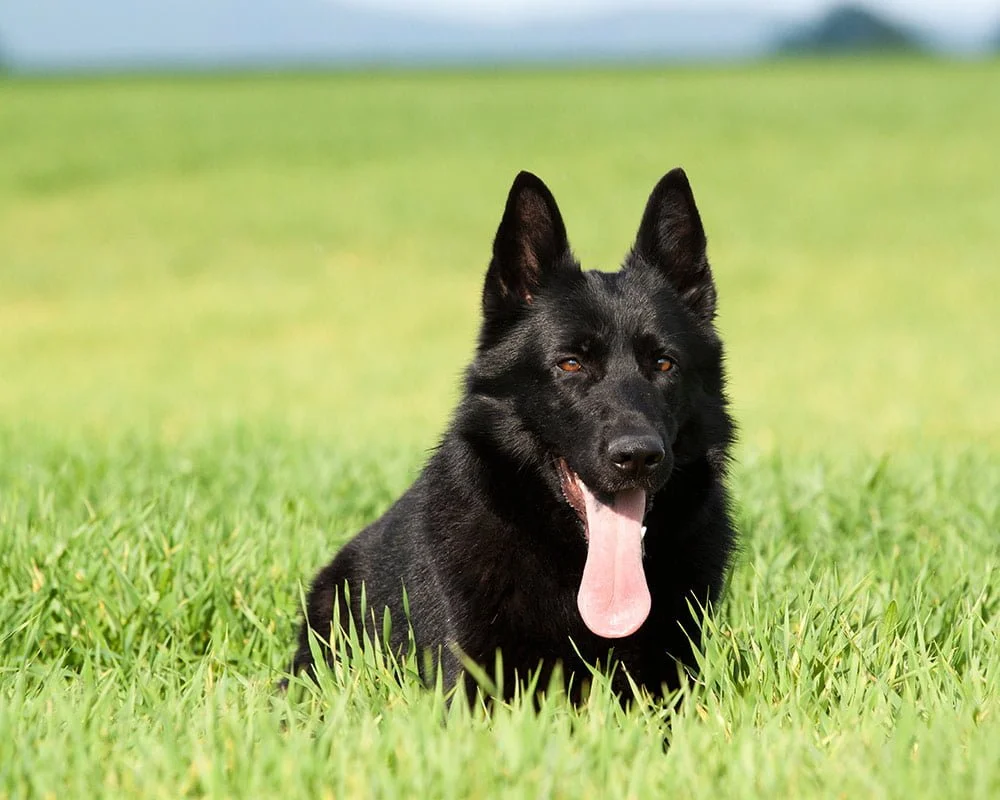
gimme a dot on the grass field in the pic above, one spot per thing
(233, 316)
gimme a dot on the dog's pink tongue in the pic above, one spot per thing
(613, 598)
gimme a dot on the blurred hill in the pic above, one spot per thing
(852, 28)
(44, 35)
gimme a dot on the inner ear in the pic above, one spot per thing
(542, 237)
(671, 239)
(530, 242)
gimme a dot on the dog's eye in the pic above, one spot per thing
(570, 365)
(664, 364)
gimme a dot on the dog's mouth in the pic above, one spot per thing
(613, 598)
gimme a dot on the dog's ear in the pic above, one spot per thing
(671, 239)
(530, 242)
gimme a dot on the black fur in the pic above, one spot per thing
(485, 543)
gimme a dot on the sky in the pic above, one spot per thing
(927, 11)
(69, 34)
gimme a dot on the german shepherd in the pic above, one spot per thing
(575, 510)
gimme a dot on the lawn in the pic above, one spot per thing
(234, 311)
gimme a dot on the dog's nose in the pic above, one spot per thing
(636, 454)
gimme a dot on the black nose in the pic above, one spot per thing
(636, 454)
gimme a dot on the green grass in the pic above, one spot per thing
(233, 315)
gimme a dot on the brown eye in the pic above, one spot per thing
(664, 364)
(570, 365)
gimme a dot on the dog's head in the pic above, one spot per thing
(604, 382)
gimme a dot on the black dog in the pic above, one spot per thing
(576, 506)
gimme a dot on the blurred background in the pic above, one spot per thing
(120, 34)
(276, 214)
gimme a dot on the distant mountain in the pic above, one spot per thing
(108, 34)
(44, 35)
(851, 29)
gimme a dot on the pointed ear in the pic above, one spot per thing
(672, 240)
(530, 242)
